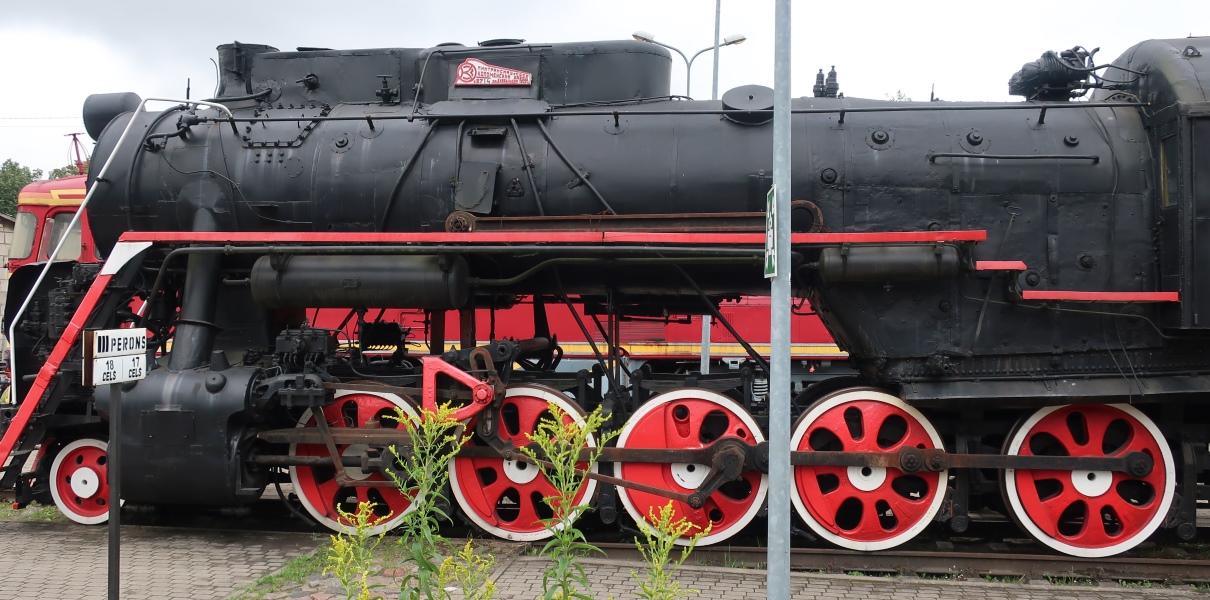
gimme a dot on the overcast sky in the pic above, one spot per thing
(55, 53)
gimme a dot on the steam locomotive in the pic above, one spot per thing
(1015, 283)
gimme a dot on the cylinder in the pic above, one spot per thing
(888, 263)
(352, 281)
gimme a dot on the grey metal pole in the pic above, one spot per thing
(779, 320)
(706, 319)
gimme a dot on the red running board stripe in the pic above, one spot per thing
(1102, 296)
(1000, 265)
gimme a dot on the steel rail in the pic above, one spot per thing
(969, 564)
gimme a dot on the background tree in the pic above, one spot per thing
(13, 177)
(67, 171)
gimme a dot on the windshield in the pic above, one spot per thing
(51, 233)
(24, 231)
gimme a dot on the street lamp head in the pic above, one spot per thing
(734, 39)
(643, 36)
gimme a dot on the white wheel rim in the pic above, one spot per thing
(90, 486)
(1024, 519)
(320, 516)
(724, 402)
(863, 481)
(519, 476)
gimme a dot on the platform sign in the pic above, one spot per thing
(114, 356)
(771, 233)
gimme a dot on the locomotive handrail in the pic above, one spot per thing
(933, 156)
(924, 107)
(75, 219)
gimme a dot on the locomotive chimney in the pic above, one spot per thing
(819, 90)
(235, 67)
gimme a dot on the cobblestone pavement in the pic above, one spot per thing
(523, 579)
(40, 561)
(63, 561)
(520, 578)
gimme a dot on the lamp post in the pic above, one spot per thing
(730, 40)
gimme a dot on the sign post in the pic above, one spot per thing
(114, 356)
(771, 233)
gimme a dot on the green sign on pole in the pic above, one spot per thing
(771, 233)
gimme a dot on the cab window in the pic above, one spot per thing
(24, 231)
(55, 228)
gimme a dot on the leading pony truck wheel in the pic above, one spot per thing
(79, 479)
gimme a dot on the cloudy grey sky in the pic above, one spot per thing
(54, 53)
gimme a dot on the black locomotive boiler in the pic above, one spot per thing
(1016, 283)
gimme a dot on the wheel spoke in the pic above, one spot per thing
(906, 509)
(1132, 517)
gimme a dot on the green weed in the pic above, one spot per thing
(937, 576)
(31, 514)
(436, 437)
(560, 440)
(471, 572)
(1004, 578)
(1071, 579)
(1140, 583)
(292, 573)
(661, 532)
(351, 557)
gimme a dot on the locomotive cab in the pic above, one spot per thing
(1165, 75)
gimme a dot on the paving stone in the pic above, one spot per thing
(206, 565)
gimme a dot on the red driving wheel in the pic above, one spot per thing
(317, 487)
(865, 508)
(506, 497)
(1089, 513)
(691, 418)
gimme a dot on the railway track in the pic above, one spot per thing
(950, 564)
